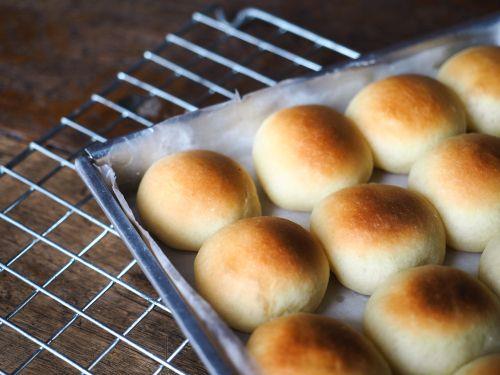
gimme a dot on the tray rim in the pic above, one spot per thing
(86, 166)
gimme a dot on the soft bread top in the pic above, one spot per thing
(474, 74)
(487, 365)
(403, 116)
(303, 153)
(433, 319)
(372, 217)
(261, 268)
(185, 197)
(461, 178)
(437, 297)
(371, 231)
(313, 344)
(469, 163)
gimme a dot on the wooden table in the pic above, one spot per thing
(53, 55)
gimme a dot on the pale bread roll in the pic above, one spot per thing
(261, 268)
(302, 154)
(314, 345)
(432, 320)
(403, 116)
(461, 178)
(371, 231)
(489, 265)
(474, 74)
(487, 365)
(186, 197)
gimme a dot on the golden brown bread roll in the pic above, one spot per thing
(371, 231)
(474, 74)
(186, 197)
(403, 116)
(432, 320)
(487, 365)
(314, 345)
(302, 154)
(461, 178)
(261, 268)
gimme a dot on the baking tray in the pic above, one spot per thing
(219, 348)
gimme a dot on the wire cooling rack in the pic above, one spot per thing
(85, 305)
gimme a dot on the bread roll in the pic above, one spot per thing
(372, 231)
(186, 197)
(489, 265)
(304, 153)
(261, 268)
(461, 178)
(403, 116)
(474, 74)
(314, 345)
(432, 319)
(487, 365)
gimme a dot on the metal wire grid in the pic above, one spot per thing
(200, 63)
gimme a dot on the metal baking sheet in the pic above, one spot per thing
(112, 172)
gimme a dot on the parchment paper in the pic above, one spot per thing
(230, 128)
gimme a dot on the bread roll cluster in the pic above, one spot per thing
(266, 275)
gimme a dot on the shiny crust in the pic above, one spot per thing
(403, 116)
(313, 344)
(303, 153)
(187, 196)
(260, 268)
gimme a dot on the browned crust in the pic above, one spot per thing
(375, 212)
(276, 245)
(316, 137)
(440, 297)
(306, 342)
(476, 68)
(408, 105)
(469, 163)
(197, 181)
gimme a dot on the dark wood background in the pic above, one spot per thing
(55, 53)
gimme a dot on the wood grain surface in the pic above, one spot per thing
(53, 55)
